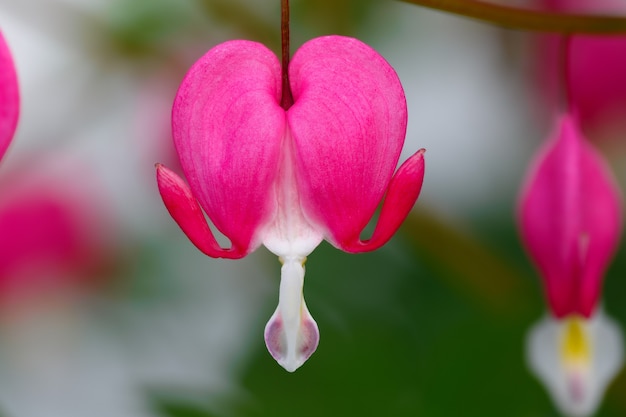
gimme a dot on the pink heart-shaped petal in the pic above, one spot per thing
(348, 123)
(228, 129)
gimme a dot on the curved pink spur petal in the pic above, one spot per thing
(228, 127)
(185, 210)
(570, 220)
(401, 195)
(9, 97)
(348, 123)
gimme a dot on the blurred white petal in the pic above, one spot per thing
(575, 387)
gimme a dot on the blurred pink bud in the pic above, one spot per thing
(570, 220)
(9, 97)
(596, 68)
(53, 238)
(288, 179)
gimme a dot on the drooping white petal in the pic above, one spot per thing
(575, 358)
(291, 334)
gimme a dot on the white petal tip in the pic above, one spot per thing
(292, 345)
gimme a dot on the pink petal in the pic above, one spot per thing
(598, 78)
(570, 220)
(348, 123)
(228, 128)
(9, 97)
(185, 210)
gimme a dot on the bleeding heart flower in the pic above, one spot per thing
(9, 97)
(570, 222)
(289, 178)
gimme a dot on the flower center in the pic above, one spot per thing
(575, 343)
(289, 234)
(576, 357)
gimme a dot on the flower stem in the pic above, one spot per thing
(526, 19)
(565, 73)
(287, 98)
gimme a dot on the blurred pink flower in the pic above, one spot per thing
(570, 220)
(289, 178)
(9, 97)
(53, 236)
(596, 68)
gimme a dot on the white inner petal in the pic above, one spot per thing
(575, 364)
(289, 234)
(291, 334)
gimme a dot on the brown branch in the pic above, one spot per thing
(287, 98)
(526, 19)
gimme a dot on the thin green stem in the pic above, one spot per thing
(526, 19)
(287, 98)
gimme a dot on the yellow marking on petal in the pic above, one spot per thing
(282, 260)
(575, 343)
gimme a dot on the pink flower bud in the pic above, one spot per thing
(570, 219)
(9, 97)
